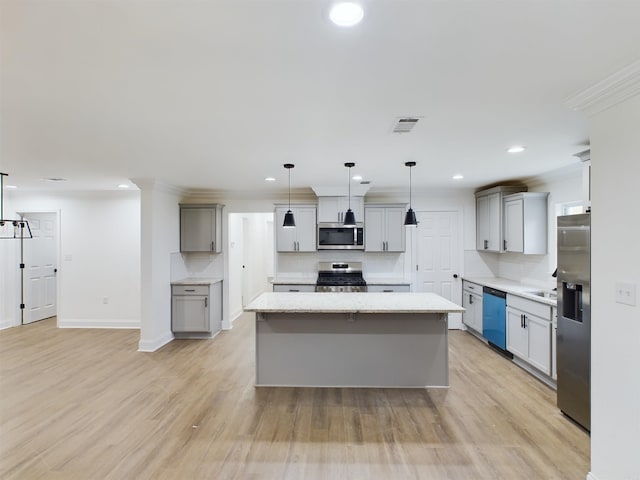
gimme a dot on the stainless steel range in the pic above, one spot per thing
(340, 277)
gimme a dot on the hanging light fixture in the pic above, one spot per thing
(289, 221)
(11, 228)
(349, 216)
(410, 218)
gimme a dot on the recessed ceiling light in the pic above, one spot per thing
(357, 178)
(55, 179)
(123, 185)
(269, 179)
(458, 177)
(346, 14)
(516, 149)
(10, 186)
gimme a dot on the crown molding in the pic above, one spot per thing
(610, 91)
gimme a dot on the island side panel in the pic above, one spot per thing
(352, 350)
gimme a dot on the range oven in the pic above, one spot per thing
(340, 277)
(335, 236)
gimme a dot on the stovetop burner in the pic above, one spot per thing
(340, 277)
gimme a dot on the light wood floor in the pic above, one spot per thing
(83, 404)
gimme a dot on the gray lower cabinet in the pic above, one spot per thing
(389, 288)
(472, 303)
(529, 327)
(196, 310)
(281, 287)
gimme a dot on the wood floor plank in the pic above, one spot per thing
(80, 404)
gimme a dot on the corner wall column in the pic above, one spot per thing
(160, 222)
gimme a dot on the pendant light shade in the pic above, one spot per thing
(289, 221)
(410, 218)
(349, 216)
(12, 228)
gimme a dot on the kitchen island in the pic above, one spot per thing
(352, 339)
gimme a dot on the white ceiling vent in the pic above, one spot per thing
(404, 124)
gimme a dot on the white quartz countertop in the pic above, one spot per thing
(197, 281)
(328, 302)
(515, 288)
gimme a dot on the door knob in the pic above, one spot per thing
(455, 275)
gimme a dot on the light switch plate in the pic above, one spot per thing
(626, 293)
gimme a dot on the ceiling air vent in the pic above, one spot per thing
(404, 124)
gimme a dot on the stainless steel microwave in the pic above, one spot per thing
(335, 236)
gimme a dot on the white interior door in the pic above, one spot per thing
(438, 258)
(39, 272)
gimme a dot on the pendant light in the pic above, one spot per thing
(289, 221)
(11, 228)
(410, 218)
(349, 216)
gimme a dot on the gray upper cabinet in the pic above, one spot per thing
(332, 209)
(201, 228)
(302, 238)
(489, 217)
(384, 229)
(525, 223)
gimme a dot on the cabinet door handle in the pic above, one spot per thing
(206, 302)
(189, 290)
(524, 321)
(470, 299)
(486, 244)
(294, 290)
(387, 291)
(520, 320)
(504, 243)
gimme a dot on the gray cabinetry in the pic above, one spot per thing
(293, 287)
(196, 310)
(529, 332)
(389, 288)
(472, 302)
(201, 228)
(525, 223)
(301, 238)
(384, 229)
(489, 217)
(332, 209)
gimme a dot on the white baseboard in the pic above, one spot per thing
(98, 323)
(591, 476)
(7, 324)
(228, 324)
(153, 345)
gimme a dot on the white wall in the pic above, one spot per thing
(615, 329)
(100, 257)
(10, 274)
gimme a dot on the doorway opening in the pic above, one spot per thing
(251, 258)
(38, 268)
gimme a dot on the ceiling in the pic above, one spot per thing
(218, 95)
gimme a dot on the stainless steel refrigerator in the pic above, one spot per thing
(573, 354)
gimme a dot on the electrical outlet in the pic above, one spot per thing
(626, 293)
(105, 300)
